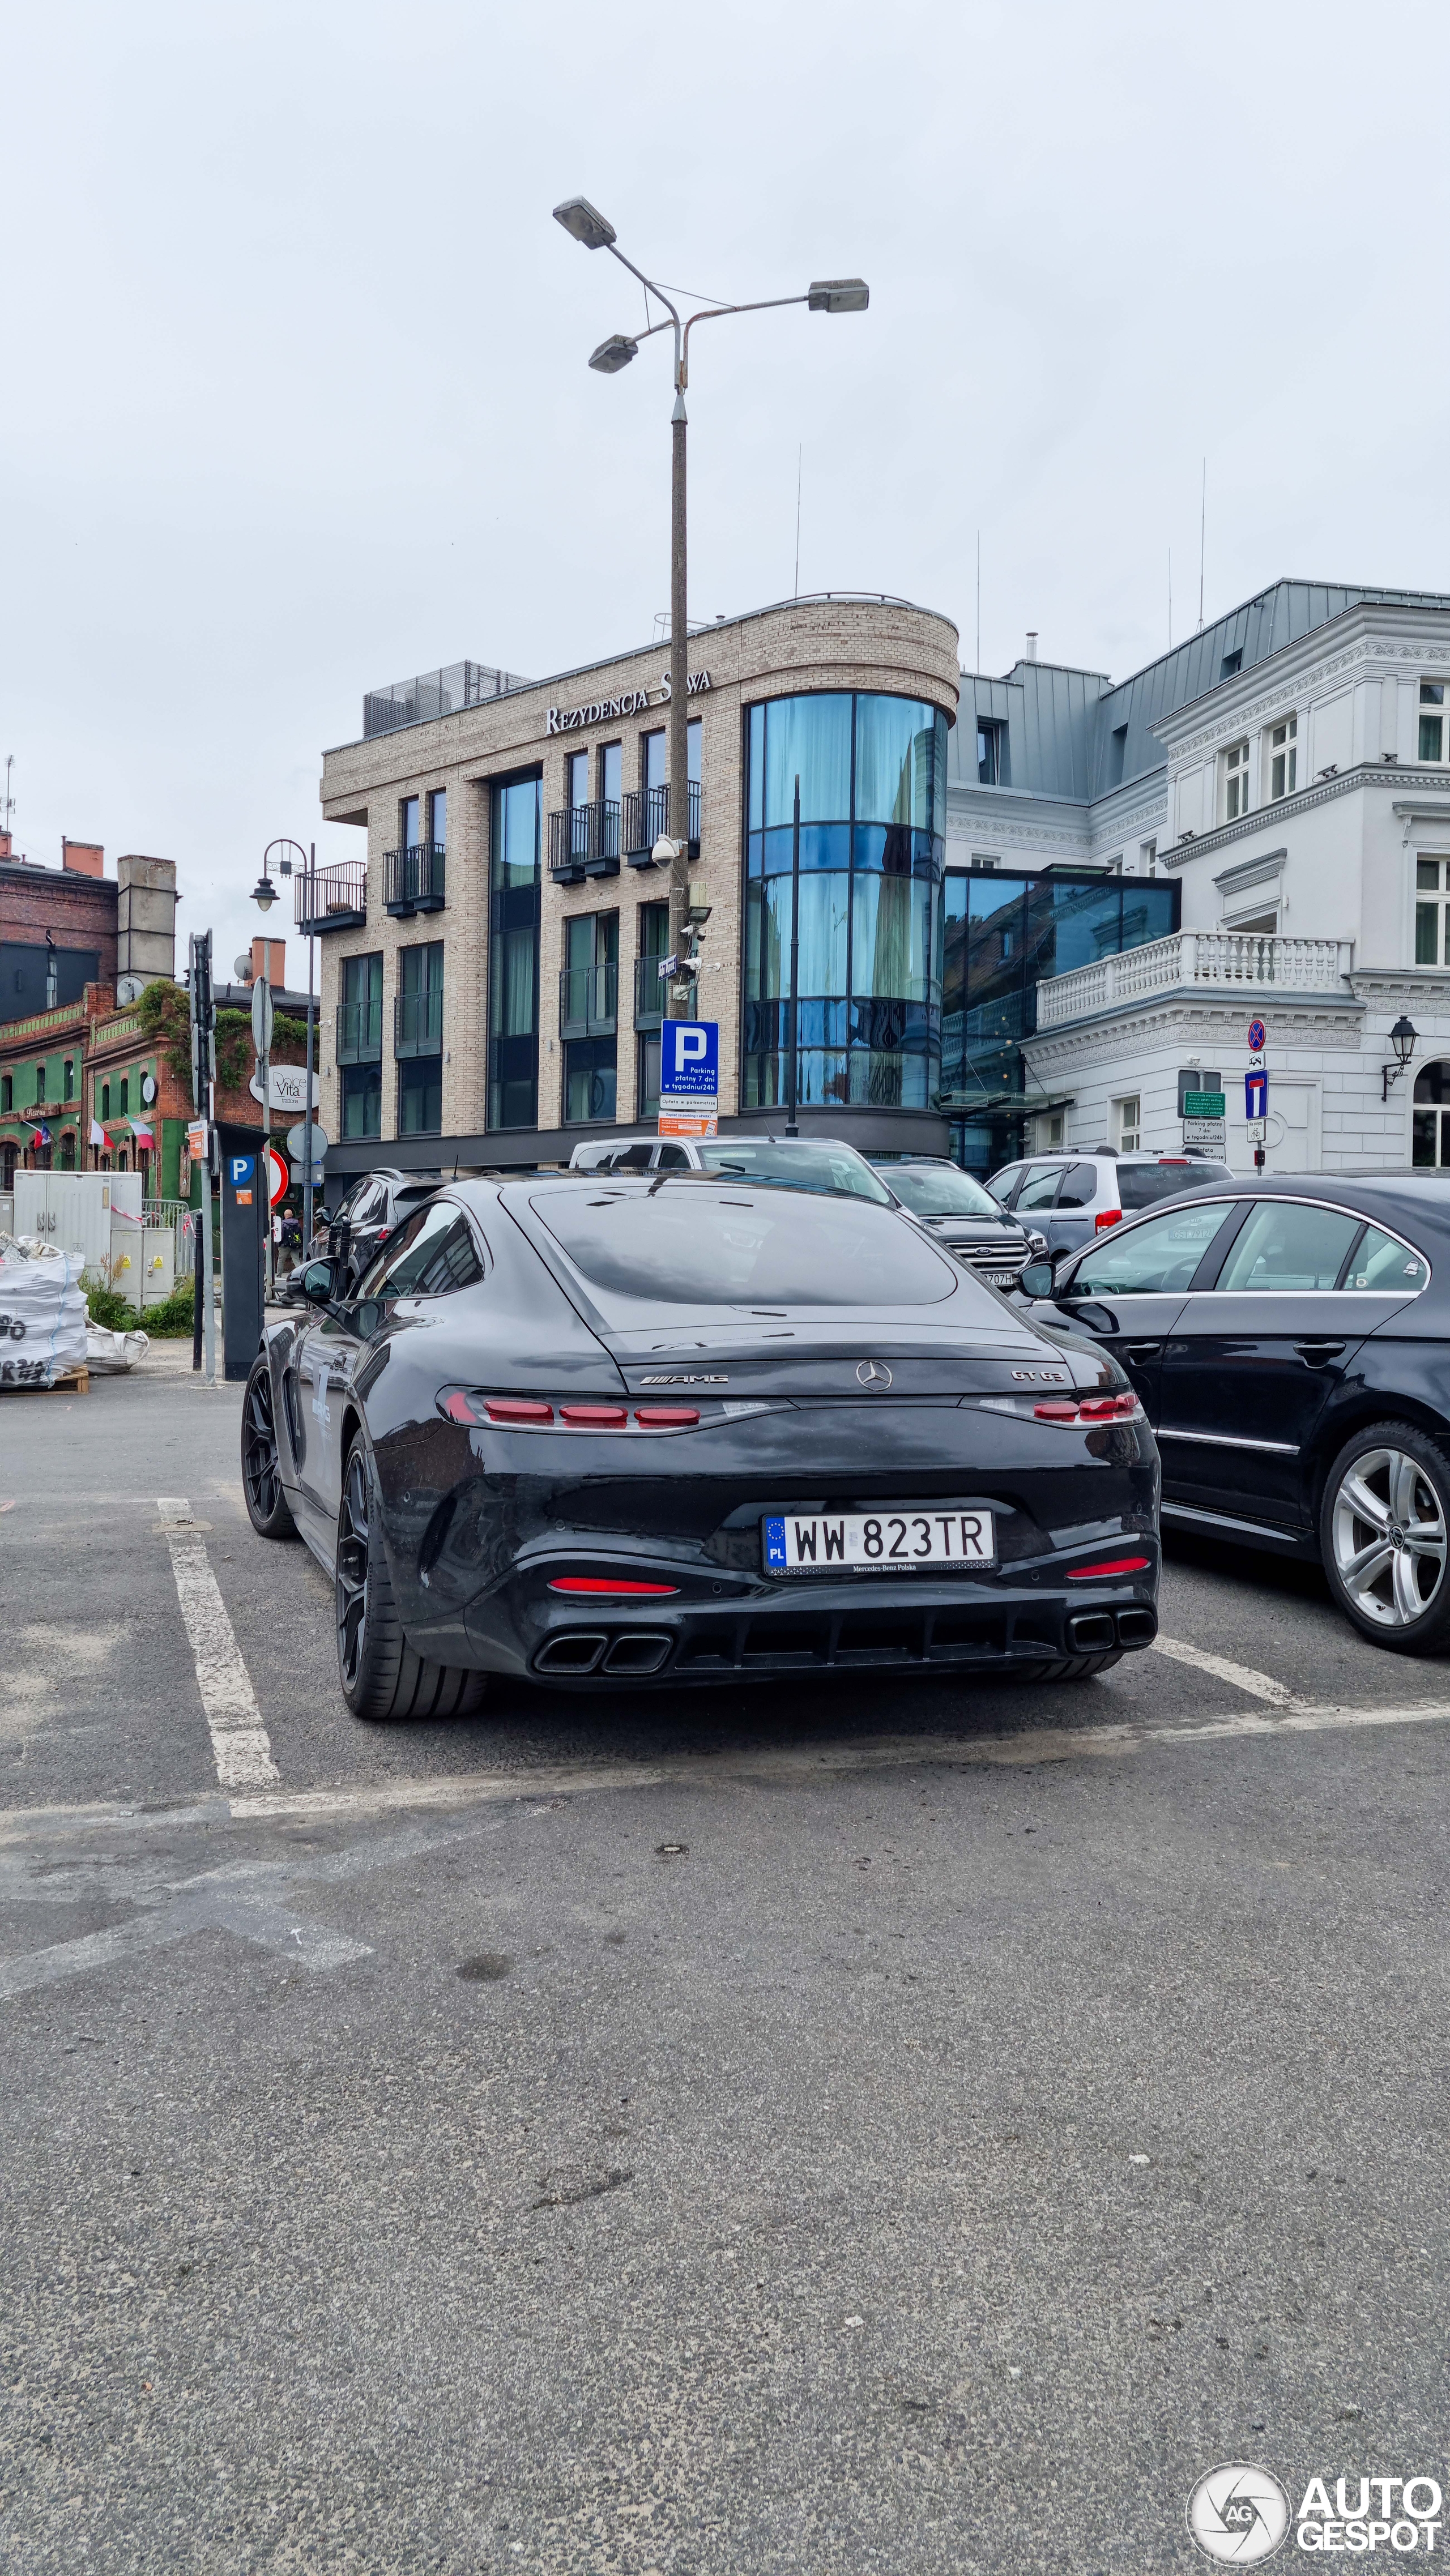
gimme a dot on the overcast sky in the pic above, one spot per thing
(295, 392)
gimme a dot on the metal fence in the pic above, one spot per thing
(435, 693)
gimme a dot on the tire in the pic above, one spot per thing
(1383, 1527)
(381, 1676)
(261, 1463)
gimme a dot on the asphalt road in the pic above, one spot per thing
(852, 2127)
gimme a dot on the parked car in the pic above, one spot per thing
(372, 1211)
(818, 1163)
(1075, 1197)
(686, 1430)
(964, 1218)
(1290, 1341)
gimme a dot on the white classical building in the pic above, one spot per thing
(1289, 769)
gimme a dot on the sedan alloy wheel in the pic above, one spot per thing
(1385, 1523)
(261, 1466)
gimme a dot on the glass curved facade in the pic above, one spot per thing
(845, 806)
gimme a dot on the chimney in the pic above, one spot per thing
(145, 916)
(5, 845)
(1031, 643)
(268, 956)
(83, 858)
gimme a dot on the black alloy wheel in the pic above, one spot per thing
(381, 1675)
(261, 1466)
(1383, 1527)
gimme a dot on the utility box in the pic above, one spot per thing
(95, 1216)
(158, 1265)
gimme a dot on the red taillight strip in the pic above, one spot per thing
(594, 1417)
(667, 1417)
(531, 1413)
(517, 1408)
(598, 1584)
(1088, 1409)
(1112, 1565)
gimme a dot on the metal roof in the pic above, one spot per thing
(1076, 734)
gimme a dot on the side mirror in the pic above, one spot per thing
(1036, 1280)
(319, 1282)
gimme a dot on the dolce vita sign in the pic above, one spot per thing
(633, 702)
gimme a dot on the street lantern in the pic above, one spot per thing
(1403, 1037)
(584, 223)
(264, 893)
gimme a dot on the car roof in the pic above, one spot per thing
(1398, 1197)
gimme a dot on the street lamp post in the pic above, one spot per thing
(305, 866)
(826, 295)
(264, 895)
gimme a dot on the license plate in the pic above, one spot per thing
(886, 1542)
(999, 1278)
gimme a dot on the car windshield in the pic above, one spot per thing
(1141, 1185)
(835, 1171)
(678, 1245)
(940, 1189)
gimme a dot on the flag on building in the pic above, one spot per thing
(143, 1136)
(41, 1135)
(98, 1136)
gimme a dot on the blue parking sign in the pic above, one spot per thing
(690, 1059)
(241, 1167)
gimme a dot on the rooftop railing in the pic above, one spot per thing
(435, 693)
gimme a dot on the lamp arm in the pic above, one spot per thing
(717, 313)
(650, 288)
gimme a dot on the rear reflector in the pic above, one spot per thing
(594, 1417)
(1107, 1216)
(458, 1408)
(1088, 1410)
(1110, 1565)
(598, 1585)
(668, 1417)
(518, 1408)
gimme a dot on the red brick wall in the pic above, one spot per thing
(78, 911)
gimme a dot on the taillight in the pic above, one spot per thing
(594, 1417)
(533, 1413)
(1088, 1410)
(516, 1408)
(1107, 1216)
(1110, 1565)
(600, 1586)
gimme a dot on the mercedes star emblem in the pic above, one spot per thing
(873, 1373)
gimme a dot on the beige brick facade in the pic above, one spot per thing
(820, 644)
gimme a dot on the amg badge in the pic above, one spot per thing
(679, 1379)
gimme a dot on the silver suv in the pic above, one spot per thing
(1073, 1197)
(959, 1215)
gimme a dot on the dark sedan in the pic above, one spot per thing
(680, 1430)
(374, 1208)
(1290, 1341)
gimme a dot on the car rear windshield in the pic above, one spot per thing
(939, 1189)
(1141, 1185)
(835, 1170)
(681, 1245)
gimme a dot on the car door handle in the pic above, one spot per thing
(1316, 1353)
(1141, 1350)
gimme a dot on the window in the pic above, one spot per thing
(1049, 1129)
(692, 1246)
(649, 1003)
(1283, 758)
(1079, 1186)
(588, 1005)
(1039, 1189)
(1002, 1184)
(105, 1100)
(362, 1098)
(360, 1013)
(611, 771)
(1432, 933)
(1430, 1145)
(991, 755)
(1128, 1122)
(41, 1091)
(1141, 1183)
(7, 1090)
(1385, 1266)
(1148, 859)
(438, 817)
(983, 859)
(1115, 866)
(69, 1079)
(513, 1067)
(125, 1094)
(434, 1254)
(832, 1171)
(1155, 1259)
(1231, 664)
(1117, 753)
(418, 1013)
(939, 1189)
(1236, 782)
(1286, 1246)
(654, 754)
(410, 822)
(576, 778)
(420, 1095)
(1432, 720)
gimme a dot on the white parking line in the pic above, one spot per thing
(1244, 1678)
(240, 1743)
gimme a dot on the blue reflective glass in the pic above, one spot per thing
(890, 1081)
(824, 910)
(898, 852)
(809, 739)
(755, 854)
(893, 944)
(516, 833)
(767, 937)
(896, 764)
(825, 845)
(1148, 912)
(757, 768)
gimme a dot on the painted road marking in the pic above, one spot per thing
(240, 1743)
(1244, 1678)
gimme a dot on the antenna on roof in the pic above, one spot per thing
(1202, 539)
(978, 662)
(1170, 599)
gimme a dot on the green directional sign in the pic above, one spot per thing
(1205, 1104)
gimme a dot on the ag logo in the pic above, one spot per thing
(1238, 2515)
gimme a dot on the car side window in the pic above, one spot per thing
(1155, 1258)
(1002, 1184)
(1285, 1246)
(631, 1158)
(672, 1158)
(434, 1254)
(1039, 1189)
(1079, 1186)
(1380, 1263)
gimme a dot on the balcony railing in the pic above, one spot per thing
(647, 815)
(334, 898)
(418, 1024)
(413, 879)
(650, 992)
(1246, 959)
(584, 841)
(588, 1001)
(360, 1032)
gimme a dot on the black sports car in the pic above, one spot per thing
(1290, 1340)
(675, 1430)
